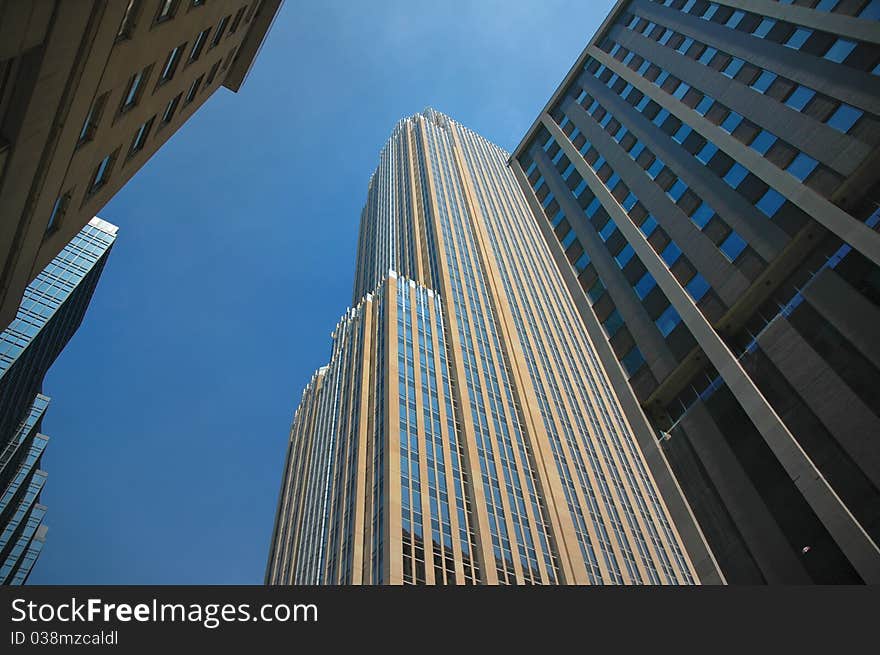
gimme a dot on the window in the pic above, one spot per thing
(736, 174)
(220, 29)
(671, 253)
(732, 246)
(840, 50)
(697, 287)
(140, 137)
(763, 142)
(171, 108)
(613, 323)
(228, 61)
(134, 90)
(644, 286)
(844, 117)
(171, 63)
(770, 202)
(193, 90)
(90, 124)
(798, 37)
(800, 97)
(166, 10)
(667, 321)
(102, 173)
(632, 361)
(212, 73)
(126, 27)
(235, 23)
(58, 211)
(801, 166)
(199, 44)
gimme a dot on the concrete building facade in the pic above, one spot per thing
(464, 430)
(89, 90)
(707, 178)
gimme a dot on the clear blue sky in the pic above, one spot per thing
(171, 406)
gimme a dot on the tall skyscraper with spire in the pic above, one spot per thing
(464, 430)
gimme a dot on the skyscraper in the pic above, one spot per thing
(89, 91)
(51, 312)
(464, 430)
(706, 175)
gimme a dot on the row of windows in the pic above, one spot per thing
(779, 152)
(859, 55)
(839, 115)
(135, 89)
(869, 9)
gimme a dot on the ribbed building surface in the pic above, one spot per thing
(707, 177)
(465, 431)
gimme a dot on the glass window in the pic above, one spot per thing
(801, 166)
(582, 262)
(596, 291)
(871, 10)
(800, 97)
(763, 142)
(736, 174)
(707, 55)
(731, 122)
(134, 85)
(58, 210)
(770, 202)
(732, 246)
(840, 50)
(733, 67)
(704, 105)
(632, 361)
(648, 226)
(764, 27)
(667, 321)
(697, 287)
(607, 231)
(703, 215)
(676, 190)
(127, 25)
(221, 28)
(102, 174)
(166, 10)
(613, 323)
(644, 285)
(671, 253)
(624, 255)
(171, 63)
(765, 79)
(844, 117)
(797, 39)
(569, 239)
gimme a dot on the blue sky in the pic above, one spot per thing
(171, 406)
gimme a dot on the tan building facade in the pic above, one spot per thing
(89, 90)
(464, 431)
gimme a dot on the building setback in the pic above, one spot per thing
(89, 90)
(464, 430)
(50, 313)
(706, 176)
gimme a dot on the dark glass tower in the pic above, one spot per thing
(51, 311)
(707, 178)
(464, 430)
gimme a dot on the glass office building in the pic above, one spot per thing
(465, 430)
(50, 313)
(707, 178)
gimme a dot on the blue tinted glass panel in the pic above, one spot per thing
(732, 246)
